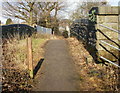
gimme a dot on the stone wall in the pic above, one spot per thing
(107, 16)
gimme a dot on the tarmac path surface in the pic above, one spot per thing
(58, 70)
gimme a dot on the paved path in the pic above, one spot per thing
(58, 71)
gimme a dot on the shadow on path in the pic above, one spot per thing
(58, 71)
(38, 66)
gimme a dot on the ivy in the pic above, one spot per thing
(92, 16)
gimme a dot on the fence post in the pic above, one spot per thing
(29, 55)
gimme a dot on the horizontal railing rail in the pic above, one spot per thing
(110, 28)
(109, 61)
(102, 41)
(109, 45)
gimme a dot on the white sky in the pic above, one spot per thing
(72, 6)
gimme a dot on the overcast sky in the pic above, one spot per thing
(71, 2)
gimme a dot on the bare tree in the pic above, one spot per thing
(44, 10)
(21, 10)
(40, 13)
(48, 15)
(32, 12)
(83, 8)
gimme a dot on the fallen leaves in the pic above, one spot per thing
(93, 77)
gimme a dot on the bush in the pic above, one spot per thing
(10, 31)
(65, 34)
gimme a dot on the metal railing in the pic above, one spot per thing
(102, 41)
(110, 28)
(110, 45)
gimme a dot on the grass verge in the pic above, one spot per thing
(15, 68)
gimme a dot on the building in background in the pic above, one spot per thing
(64, 25)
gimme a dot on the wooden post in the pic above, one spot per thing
(30, 59)
(29, 45)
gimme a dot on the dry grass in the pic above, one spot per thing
(15, 51)
(93, 77)
(38, 51)
(14, 61)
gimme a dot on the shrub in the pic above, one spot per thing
(65, 34)
(10, 31)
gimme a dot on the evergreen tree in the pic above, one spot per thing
(9, 21)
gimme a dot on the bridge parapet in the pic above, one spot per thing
(107, 32)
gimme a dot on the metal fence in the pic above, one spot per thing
(110, 45)
(43, 30)
(113, 69)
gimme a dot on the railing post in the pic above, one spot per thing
(29, 55)
(119, 46)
